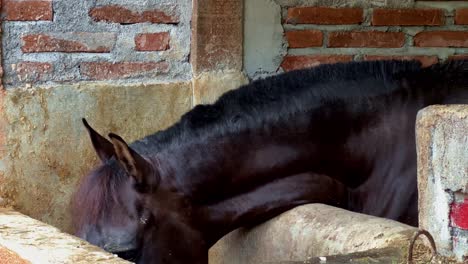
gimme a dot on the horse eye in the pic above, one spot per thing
(143, 220)
(145, 217)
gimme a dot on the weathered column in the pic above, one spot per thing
(442, 144)
(216, 48)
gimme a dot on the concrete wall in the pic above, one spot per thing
(124, 65)
(47, 150)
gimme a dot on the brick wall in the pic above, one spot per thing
(356, 30)
(59, 41)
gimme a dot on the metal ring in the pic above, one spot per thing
(413, 241)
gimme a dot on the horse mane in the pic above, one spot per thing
(96, 194)
(263, 101)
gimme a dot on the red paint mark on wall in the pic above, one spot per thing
(459, 214)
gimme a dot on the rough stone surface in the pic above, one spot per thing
(45, 150)
(264, 46)
(207, 87)
(442, 145)
(308, 231)
(38, 243)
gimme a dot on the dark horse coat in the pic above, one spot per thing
(338, 134)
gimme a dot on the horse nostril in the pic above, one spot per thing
(112, 248)
(130, 255)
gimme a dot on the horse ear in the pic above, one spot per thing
(104, 149)
(135, 165)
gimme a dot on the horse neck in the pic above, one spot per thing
(268, 200)
(213, 169)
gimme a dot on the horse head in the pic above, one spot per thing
(125, 207)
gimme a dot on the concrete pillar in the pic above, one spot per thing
(442, 144)
(216, 48)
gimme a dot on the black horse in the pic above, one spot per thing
(339, 134)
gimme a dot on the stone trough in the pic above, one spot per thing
(314, 233)
(318, 230)
(26, 240)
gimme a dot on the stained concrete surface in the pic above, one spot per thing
(46, 149)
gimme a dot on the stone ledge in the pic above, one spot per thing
(313, 230)
(26, 240)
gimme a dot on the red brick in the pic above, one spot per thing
(442, 39)
(407, 17)
(459, 214)
(461, 16)
(107, 70)
(152, 41)
(123, 15)
(33, 71)
(304, 38)
(369, 39)
(27, 10)
(425, 60)
(324, 15)
(458, 57)
(69, 42)
(298, 62)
